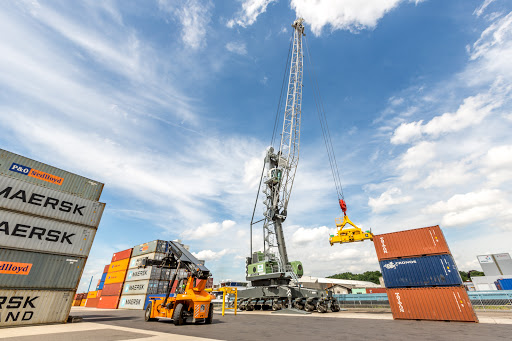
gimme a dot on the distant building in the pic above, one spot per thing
(499, 264)
(338, 286)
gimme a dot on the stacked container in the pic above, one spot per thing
(114, 280)
(141, 282)
(421, 277)
(48, 220)
(78, 299)
(504, 284)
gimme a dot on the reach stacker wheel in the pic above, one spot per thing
(147, 313)
(209, 319)
(177, 316)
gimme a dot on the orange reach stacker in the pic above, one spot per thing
(191, 302)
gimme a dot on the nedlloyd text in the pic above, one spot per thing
(34, 173)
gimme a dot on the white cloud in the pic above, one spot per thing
(350, 15)
(209, 255)
(392, 196)
(447, 175)
(480, 9)
(418, 155)
(194, 17)
(238, 48)
(302, 236)
(208, 230)
(249, 13)
(407, 132)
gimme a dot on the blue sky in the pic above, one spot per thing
(171, 104)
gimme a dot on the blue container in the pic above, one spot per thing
(505, 284)
(148, 297)
(428, 271)
(103, 277)
(100, 286)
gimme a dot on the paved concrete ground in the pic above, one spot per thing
(113, 325)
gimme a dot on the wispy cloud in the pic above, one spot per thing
(237, 47)
(249, 12)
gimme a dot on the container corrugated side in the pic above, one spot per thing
(437, 270)
(113, 289)
(125, 254)
(115, 277)
(23, 307)
(151, 272)
(34, 270)
(138, 287)
(92, 302)
(160, 287)
(135, 302)
(108, 302)
(27, 232)
(24, 197)
(135, 261)
(120, 265)
(439, 304)
(374, 290)
(103, 277)
(506, 284)
(38, 173)
(411, 243)
(150, 247)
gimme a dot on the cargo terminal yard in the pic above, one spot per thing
(125, 225)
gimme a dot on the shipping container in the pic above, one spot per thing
(34, 270)
(132, 302)
(108, 302)
(24, 197)
(121, 255)
(92, 302)
(113, 289)
(139, 287)
(505, 284)
(135, 262)
(411, 243)
(34, 306)
(151, 272)
(153, 296)
(38, 173)
(154, 246)
(98, 295)
(26, 232)
(437, 270)
(76, 303)
(92, 294)
(82, 304)
(120, 265)
(159, 287)
(105, 270)
(115, 277)
(358, 291)
(103, 277)
(100, 286)
(439, 303)
(375, 290)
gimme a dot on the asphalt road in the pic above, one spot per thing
(310, 327)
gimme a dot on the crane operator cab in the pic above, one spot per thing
(275, 175)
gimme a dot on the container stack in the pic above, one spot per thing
(92, 299)
(421, 278)
(504, 284)
(141, 282)
(78, 299)
(114, 280)
(49, 218)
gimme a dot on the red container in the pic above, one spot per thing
(411, 243)
(439, 304)
(105, 270)
(121, 255)
(112, 289)
(375, 290)
(92, 302)
(108, 302)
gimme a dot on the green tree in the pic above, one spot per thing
(368, 276)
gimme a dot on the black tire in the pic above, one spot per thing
(177, 316)
(147, 313)
(209, 319)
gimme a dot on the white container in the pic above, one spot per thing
(24, 197)
(135, 302)
(23, 307)
(151, 272)
(136, 261)
(26, 232)
(138, 287)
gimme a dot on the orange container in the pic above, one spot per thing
(113, 289)
(439, 304)
(82, 304)
(411, 243)
(120, 265)
(122, 255)
(92, 302)
(98, 295)
(105, 270)
(108, 302)
(375, 290)
(115, 277)
(76, 303)
(92, 294)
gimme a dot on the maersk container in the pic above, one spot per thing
(439, 304)
(136, 261)
(23, 307)
(138, 287)
(428, 271)
(160, 287)
(35, 270)
(25, 197)
(38, 173)
(26, 232)
(411, 243)
(151, 272)
(154, 246)
(132, 302)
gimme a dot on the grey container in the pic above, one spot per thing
(151, 272)
(27, 232)
(29, 170)
(158, 287)
(138, 287)
(154, 246)
(24, 307)
(24, 197)
(135, 262)
(135, 302)
(34, 270)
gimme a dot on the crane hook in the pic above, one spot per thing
(343, 206)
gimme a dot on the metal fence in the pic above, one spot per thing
(498, 300)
